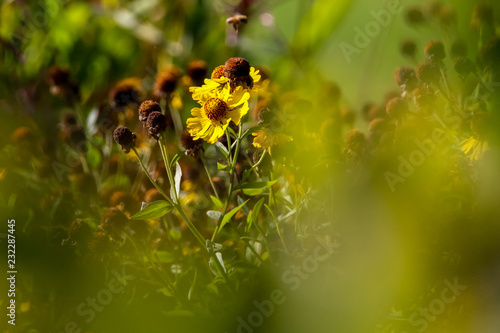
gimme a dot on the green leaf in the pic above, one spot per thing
(256, 185)
(153, 210)
(165, 257)
(93, 157)
(230, 214)
(246, 174)
(216, 201)
(174, 160)
(222, 149)
(213, 214)
(223, 167)
(254, 214)
(232, 132)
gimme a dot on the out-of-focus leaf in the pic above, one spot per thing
(213, 214)
(254, 213)
(222, 149)
(154, 210)
(230, 214)
(216, 201)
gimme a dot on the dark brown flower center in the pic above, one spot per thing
(216, 109)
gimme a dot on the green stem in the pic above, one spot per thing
(204, 162)
(151, 179)
(190, 224)
(232, 163)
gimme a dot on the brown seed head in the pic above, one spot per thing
(146, 108)
(125, 138)
(396, 108)
(197, 70)
(434, 50)
(166, 82)
(408, 48)
(156, 124)
(428, 72)
(235, 68)
(406, 78)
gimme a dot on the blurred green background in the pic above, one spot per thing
(393, 246)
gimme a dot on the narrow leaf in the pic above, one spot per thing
(216, 201)
(230, 214)
(223, 167)
(174, 160)
(177, 178)
(154, 210)
(222, 149)
(254, 214)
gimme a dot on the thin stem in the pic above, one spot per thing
(190, 224)
(151, 179)
(204, 162)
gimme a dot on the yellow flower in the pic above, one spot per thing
(266, 138)
(218, 109)
(218, 82)
(474, 148)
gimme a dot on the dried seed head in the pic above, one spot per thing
(216, 109)
(124, 200)
(124, 95)
(375, 111)
(265, 115)
(146, 108)
(434, 50)
(379, 125)
(414, 15)
(113, 221)
(156, 124)
(22, 134)
(355, 141)
(68, 120)
(191, 145)
(79, 232)
(348, 116)
(218, 72)
(332, 91)
(236, 68)
(482, 15)
(197, 71)
(396, 108)
(58, 76)
(463, 66)
(60, 83)
(125, 138)
(408, 48)
(428, 72)
(490, 54)
(406, 78)
(166, 82)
